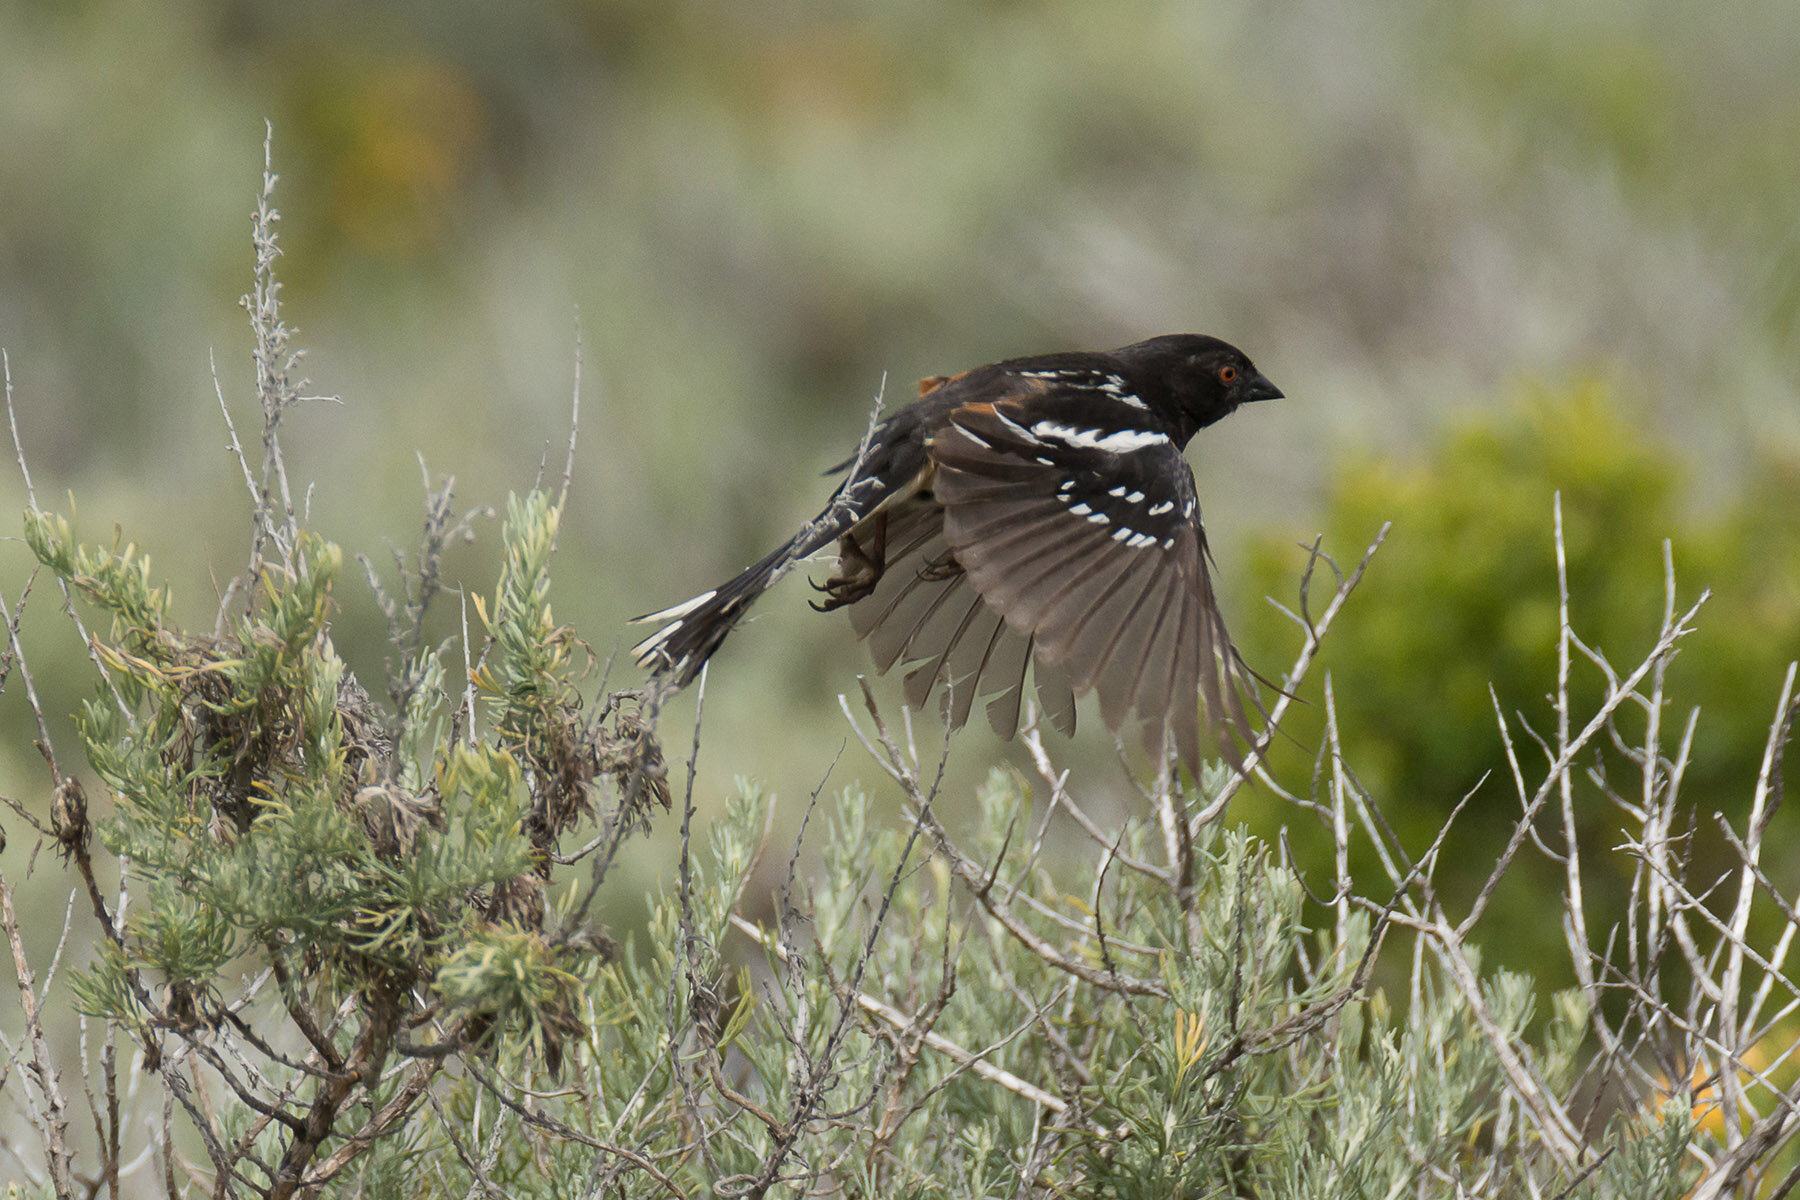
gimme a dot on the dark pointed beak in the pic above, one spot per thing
(1258, 387)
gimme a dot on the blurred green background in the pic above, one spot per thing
(1488, 252)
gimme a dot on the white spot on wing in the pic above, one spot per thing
(1014, 426)
(1099, 381)
(1120, 441)
(1132, 439)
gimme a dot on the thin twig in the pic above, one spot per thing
(937, 1041)
(1315, 637)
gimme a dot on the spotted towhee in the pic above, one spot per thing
(1037, 510)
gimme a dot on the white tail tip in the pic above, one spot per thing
(675, 613)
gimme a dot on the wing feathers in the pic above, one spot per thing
(985, 519)
(968, 668)
(1082, 596)
(1024, 573)
(1007, 669)
(1055, 697)
(943, 625)
(1007, 567)
(1184, 694)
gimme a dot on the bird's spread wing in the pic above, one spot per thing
(922, 613)
(1081, 531)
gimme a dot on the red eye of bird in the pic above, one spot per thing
(1227, 374)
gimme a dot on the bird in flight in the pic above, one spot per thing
(1035, 512)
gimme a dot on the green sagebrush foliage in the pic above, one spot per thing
(1225, 1042)
(270, 823)
(1262, 1069)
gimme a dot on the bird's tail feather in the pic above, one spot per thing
(692, 630)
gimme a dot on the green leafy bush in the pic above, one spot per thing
(1458, 620)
